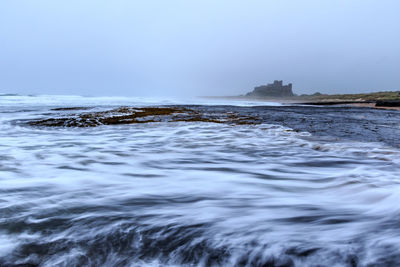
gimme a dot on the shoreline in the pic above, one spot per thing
(370, 103)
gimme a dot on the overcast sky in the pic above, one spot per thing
(205, 47)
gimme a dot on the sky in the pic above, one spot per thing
(199, 47)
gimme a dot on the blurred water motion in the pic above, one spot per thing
(194, 193)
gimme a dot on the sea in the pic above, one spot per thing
(307, 186)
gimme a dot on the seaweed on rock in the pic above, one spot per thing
(130, 115)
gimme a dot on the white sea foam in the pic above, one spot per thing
(185, 193)
(71, 100)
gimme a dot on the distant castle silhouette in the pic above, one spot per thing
(276, 89)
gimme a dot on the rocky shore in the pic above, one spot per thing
(131, 115)
(342, 122)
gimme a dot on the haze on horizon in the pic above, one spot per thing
(178, 47)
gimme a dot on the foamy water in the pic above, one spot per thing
(191, 193)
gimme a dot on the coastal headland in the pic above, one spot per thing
(277, 92)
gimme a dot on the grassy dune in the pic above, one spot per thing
(389, 95)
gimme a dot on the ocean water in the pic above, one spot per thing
(297, 189)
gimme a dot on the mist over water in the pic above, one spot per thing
(194, 193)
(173, 48)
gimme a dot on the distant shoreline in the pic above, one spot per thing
(380, 100)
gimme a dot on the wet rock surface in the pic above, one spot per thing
(353, 123)
(130, 115)
(348, 123)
